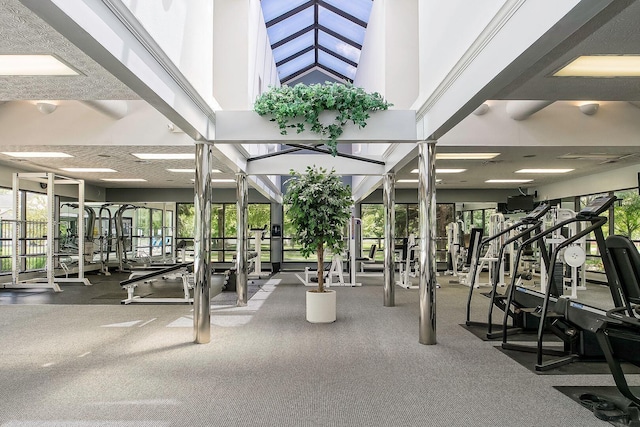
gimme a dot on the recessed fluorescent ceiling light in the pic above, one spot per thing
(444, 170)
(165, 156)
(466, 156)
(507, 181)
(88, 170)
(33, 65)
(590, 156)
(219, 180)
(191, 170)
(602, 66)
(36, 154)
(182, 170)
(413, 180)
(124, 179)
(544, 170)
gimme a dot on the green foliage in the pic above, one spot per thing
(304, 104)
(319, 209)
(627, 216)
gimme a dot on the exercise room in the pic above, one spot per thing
(319, 213)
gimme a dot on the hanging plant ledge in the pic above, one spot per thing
(299, 107)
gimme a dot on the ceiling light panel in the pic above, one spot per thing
(191, 170)
(34, 65)
(602, 66)
(544, 170)
(443, 170)
(88, 170)
(124, 179)
(507, 181)
(36, 154)
(466, 156)
(165, 156)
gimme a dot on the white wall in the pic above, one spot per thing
(389, 58)
(488, 38)
(402, 59)
(447, 30)
(230, 53)
(262, 67)
(243, 61)
(74, 123)
(371, 70)
(559, 124)
(184, 31)
(619, 179)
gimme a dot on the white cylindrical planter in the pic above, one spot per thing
(321, 307)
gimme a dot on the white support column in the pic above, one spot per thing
(17, 226)
(51, 228)
(202, 243)
(389, 201)
(241, 242)
(427, 218)
(81, 229)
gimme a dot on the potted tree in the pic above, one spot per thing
(319, 209)
(302, 106)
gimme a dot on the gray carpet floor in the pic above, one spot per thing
(136, 365)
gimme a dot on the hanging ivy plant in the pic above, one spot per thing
(300, 106)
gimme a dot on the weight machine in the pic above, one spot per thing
(406, 261)
(455, 246)
(255, 263)
(23, 230)
(337, 265)
(573, 256)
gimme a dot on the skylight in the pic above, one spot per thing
(326, 35)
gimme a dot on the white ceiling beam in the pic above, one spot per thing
(247, 127)
(523, 109)
(111, 108)
(282, 164)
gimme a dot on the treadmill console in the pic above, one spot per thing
(598, 206)
(538, 212)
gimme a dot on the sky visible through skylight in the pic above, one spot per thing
(326, 35)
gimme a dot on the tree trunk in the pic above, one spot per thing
(320, 267)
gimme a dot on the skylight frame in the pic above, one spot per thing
(330, 19)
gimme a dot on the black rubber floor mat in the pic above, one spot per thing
(600, 394)
(481, 332)
(578, 367)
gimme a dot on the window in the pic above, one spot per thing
(224, 220)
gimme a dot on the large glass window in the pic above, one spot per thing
(626, 215)
(224, 220)
(35, 231)
(407, 223)
(372, 230)
(593, 262)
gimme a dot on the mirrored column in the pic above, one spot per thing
(389, 202)
(202, 245)
(241, 242)
(427, 217)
